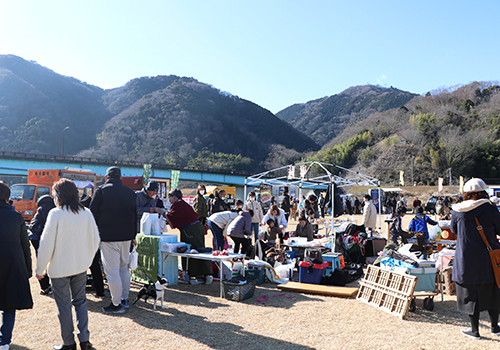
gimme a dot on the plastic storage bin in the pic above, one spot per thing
(260, 275)
(314, 275)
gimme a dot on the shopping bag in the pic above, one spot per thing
(133, 259)
(155, 224)
(146, 223)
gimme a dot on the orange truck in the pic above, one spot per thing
(40, 181)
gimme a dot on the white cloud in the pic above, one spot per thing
(381, 79)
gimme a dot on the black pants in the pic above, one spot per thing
(45, 281)
(96, 271)
(245, 244)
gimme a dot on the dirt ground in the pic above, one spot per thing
(195, 317)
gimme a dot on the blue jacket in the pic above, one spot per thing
(419, 224)
(472, 263)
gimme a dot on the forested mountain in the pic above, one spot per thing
(163, 119)
(455, 129)
(36, 104)
(325, 118)
(181, 121)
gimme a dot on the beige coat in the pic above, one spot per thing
(257, 211)
(369, 215)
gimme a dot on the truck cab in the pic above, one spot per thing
(40, 181)
(25, 196)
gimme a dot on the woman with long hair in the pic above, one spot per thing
(472, 268)
(68, 245)
(15, 266)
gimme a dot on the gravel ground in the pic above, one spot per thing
(196, 318)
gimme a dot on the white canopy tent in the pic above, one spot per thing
(309, 179)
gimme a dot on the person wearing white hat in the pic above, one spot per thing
(472, 270)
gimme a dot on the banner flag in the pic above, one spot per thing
(401, 178)
(174, 178)
(291, 172)
(440, 184)
(303, 171)
(461, 187)
(146, 174)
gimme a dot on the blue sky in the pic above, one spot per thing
(274, 53)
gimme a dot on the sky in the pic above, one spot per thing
(273, 53)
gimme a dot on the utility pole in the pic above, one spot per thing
(62, 147)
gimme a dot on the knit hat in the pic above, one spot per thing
(113, 173)
(475, 185)
(152, 186)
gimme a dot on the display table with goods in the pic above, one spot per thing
(168, 250)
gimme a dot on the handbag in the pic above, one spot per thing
(133, 259)
(494, 254)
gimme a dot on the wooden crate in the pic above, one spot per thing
(386, 290)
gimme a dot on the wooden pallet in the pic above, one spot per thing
(387, 290)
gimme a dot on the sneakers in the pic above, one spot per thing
(495, 330)
(194, 281)
(125, 303)
(4, 347)
(111, 309)
(469, 333)
(209, 279)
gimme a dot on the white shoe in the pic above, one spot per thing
(4, 347)
(209, 279)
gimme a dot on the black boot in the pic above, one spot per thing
(65, 347)
(86, 345)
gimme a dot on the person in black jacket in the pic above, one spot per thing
(36, 226)
(285, 205)
(15, 266)
(115, 212)
(218, 203)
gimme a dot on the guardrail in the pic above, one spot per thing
(107, 162)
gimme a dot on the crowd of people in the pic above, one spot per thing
(71, 235)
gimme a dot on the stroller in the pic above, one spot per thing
(352, 244)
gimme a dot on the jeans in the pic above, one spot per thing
(254, 228)
(71, 291)
(218, 234)
(115, 259)
(8, 318)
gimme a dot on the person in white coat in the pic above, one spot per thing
(369, 213)
(278, 216)
(253, 204)
(68, 245)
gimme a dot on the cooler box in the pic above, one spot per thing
(314, 276)
(426, 278)
(168, 268)
(333, 261)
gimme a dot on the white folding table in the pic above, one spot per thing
(208, 256)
